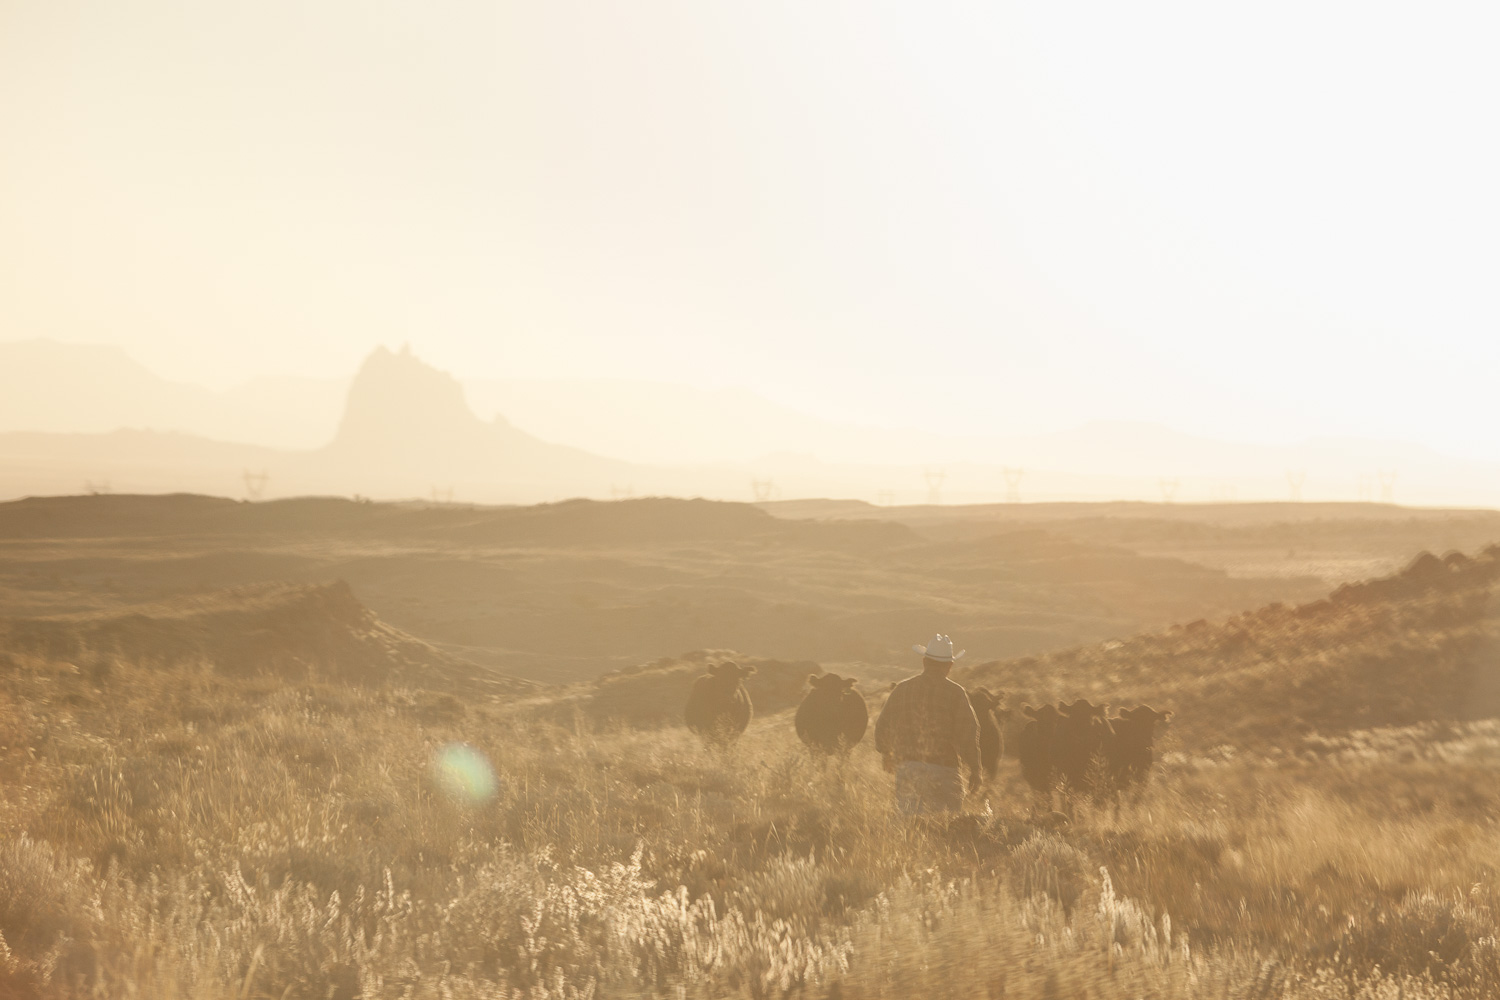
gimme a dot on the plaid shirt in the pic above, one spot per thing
(928, 718)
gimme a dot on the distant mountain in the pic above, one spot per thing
(407, 428)
(58, 388)
(404, 429)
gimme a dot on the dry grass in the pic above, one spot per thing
(177, 834)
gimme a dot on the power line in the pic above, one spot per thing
(935, 479)
(1387, 480)
(255, 484)
(1013, 484)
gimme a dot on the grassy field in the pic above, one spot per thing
(272, 793)
(198, 839)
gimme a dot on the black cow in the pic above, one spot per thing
(1130, 750)
(991, 719)
(1037, 746)
(718, 708)
(1083, 736)
(833, 716)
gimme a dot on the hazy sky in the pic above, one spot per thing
(1261, 220)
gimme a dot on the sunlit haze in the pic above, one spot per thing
(818, 499)
(1265, 223)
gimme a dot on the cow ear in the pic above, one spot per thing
(849, 683)
(747, 671)
(812, 679)
(1165, 716)
(1029, 712)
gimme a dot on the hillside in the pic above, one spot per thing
(564, 592)
(284, 825)
(291, 632)
(1336, 542)
(1418, 646)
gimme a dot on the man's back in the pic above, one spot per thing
(928, 718)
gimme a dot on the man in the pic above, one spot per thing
(926, 730)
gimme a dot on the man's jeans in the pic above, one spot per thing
(928, 788)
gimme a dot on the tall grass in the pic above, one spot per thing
(171, 834)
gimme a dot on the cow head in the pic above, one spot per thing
(1082, 710)
(730, 672)
(1145, 715)
(983, 700)
(1045, 714)
(831, 683)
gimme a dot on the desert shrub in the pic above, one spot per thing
(1446, 936)
(1049, 865)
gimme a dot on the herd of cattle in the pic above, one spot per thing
(1072, 747)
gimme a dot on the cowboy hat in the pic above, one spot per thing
(940, 649)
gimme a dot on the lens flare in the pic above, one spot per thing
(465, 774)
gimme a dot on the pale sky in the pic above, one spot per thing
(1264, 221)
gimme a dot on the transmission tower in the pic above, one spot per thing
(1013, 484)
(1387, 485)
(621, 492)
(97, 489)
(1224, 491)
(1366, 489)
(1294, 480)
(255, 484)
(1168, 489)
(885, 498)
(762, 489)
(444, 495)
(935, 479)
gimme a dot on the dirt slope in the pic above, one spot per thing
(1417, 646)
(569, 523)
